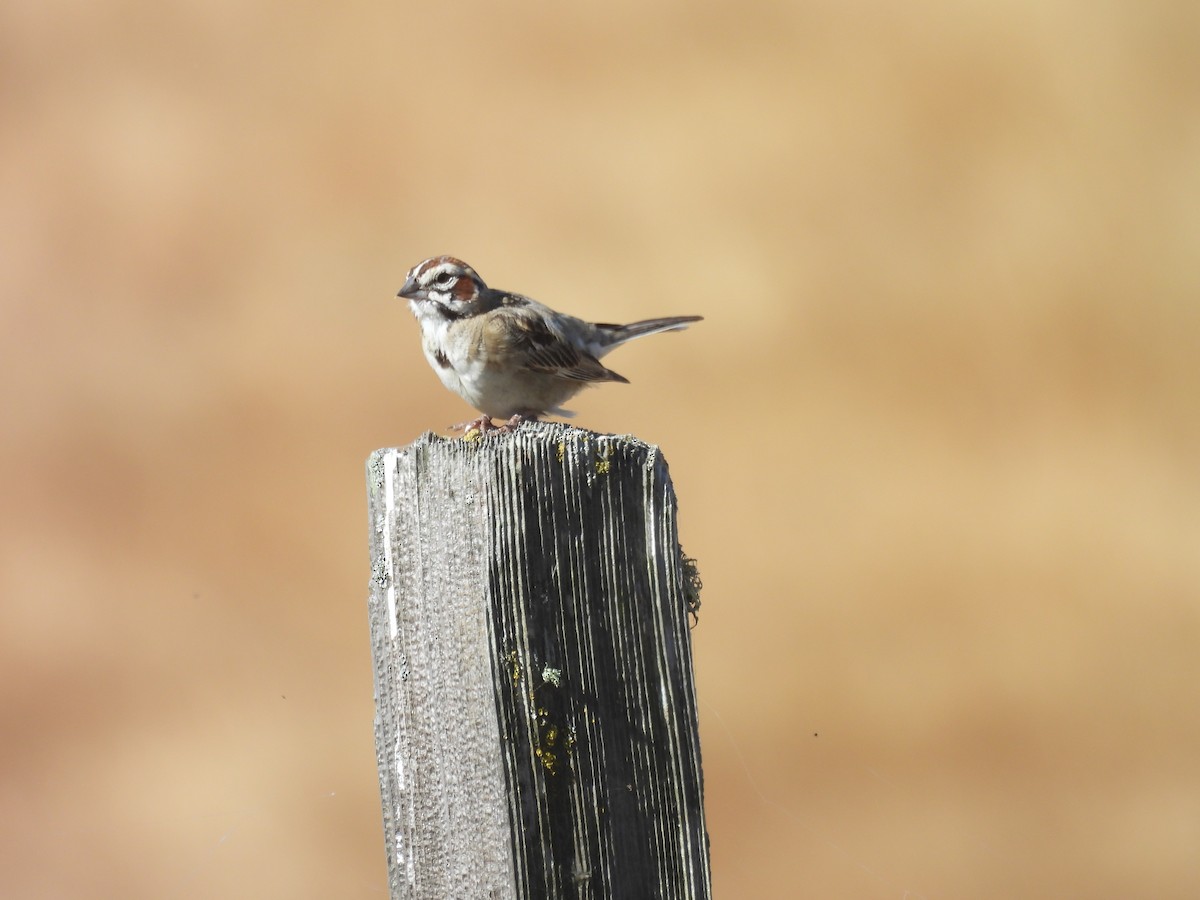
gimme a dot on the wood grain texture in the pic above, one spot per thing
(536, 728)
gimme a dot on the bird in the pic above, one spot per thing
(507, 355)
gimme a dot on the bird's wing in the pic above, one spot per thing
(533, 343)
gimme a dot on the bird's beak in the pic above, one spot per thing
(411, 291)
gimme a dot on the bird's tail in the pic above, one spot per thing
(619, 334)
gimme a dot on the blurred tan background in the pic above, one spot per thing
(937, 444)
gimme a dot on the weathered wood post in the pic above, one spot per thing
(536, 726)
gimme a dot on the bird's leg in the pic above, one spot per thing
(515, 422)
(483, 425)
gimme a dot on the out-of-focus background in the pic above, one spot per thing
(937, 442)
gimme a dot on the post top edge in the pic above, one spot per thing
(529, 432)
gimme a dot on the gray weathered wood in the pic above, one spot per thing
(536, 726)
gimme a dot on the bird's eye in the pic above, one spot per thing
(444, 279)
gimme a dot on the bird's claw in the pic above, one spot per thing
(484, 425)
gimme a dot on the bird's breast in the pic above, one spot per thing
(450, 356)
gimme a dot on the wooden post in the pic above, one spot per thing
(536, 726)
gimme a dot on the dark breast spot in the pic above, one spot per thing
(441, 359)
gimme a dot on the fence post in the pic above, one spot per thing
(536, 721)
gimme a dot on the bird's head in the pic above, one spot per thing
(444, 285)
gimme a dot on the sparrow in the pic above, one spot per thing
(507, 355)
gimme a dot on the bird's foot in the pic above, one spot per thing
(484, 425)
(514, 423)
